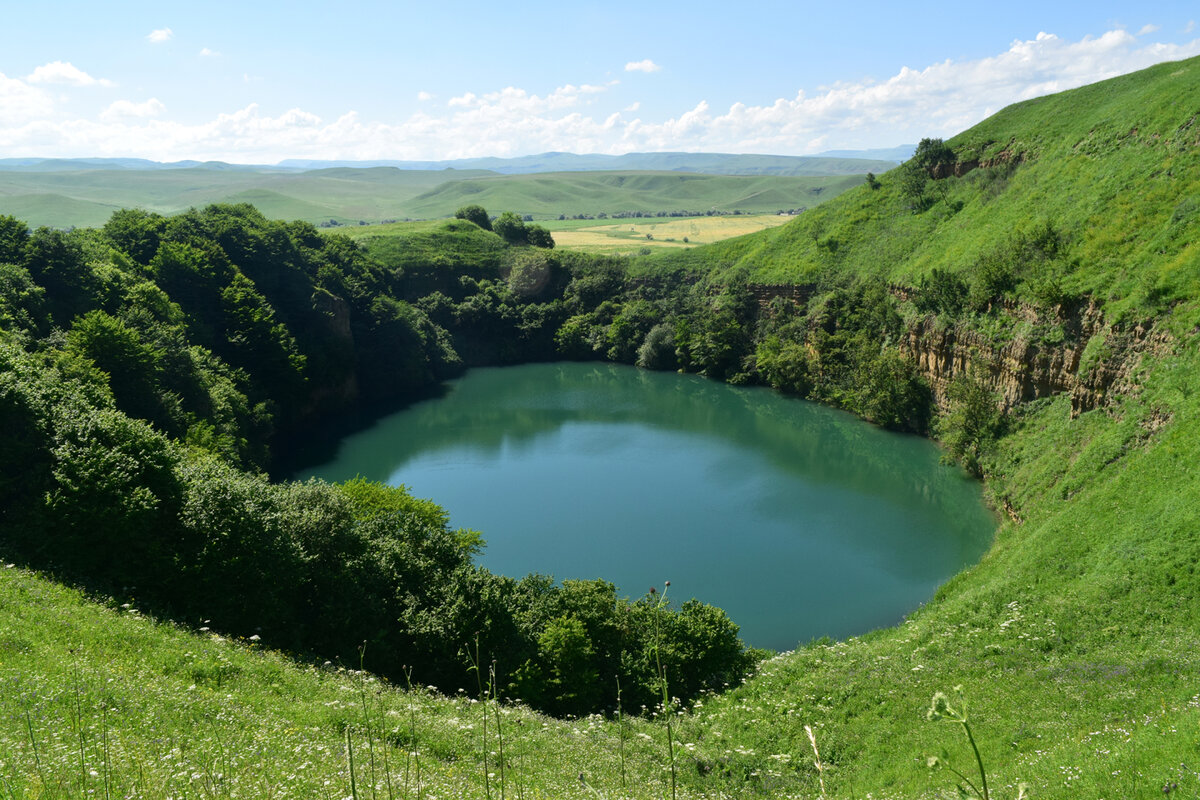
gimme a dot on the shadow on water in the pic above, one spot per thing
(799, 520)
(320, 442)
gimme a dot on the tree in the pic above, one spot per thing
(13, 235)
(136, 232)
(511, 228)
(971, 424)
(475, 213)
(932, 154)
(539, 236)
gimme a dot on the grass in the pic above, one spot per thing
(66, 198)
(631, 236)
(1122, 202)
(547, 195)
(99, 700)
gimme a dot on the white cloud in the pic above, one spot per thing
(127, 109)
(424, 96)
(937, 100)
(21, 103)
(207, 53)
(160, 35)
(1191, 26)
(1149, 28)
(645, 65)
(63, 72)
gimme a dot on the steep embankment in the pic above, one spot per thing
(1051, 257)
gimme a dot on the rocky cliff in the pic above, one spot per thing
(1087, 357)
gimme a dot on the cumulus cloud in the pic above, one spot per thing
(935, 100)
(65, 73)
(645, 65)
(1149, 28)
(207, 53)
(160, 35)
(127, 109)
(20, 103)
(424, 96)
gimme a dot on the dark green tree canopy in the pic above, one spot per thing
(477, 214)
(511, 228)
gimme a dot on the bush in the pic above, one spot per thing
(475, 213)
(971, 423)
(658, 348)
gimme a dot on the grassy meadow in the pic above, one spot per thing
(608, 237)
(348, 196)
(627, 237)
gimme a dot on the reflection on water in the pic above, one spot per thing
(798, 520)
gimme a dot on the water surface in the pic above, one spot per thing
(798, 520)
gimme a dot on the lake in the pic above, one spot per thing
(800, 521)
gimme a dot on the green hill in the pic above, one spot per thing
(849, 163)
(1044, 264)
(56, 210)
(548, 195)
(372, 194)
(315, 196)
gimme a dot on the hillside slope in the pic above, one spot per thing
(1057, 243)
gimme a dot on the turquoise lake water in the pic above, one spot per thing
(798, 520)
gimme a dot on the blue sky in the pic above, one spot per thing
(258, 82)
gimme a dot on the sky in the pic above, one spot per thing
(258, 82)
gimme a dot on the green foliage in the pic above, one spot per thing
(22, 302)
(136, 233)
(932, 155)
(657, 350)
(941, 292)
(475, 213)
(539, 236)
(784, 365)
(14, 235)
(511, 228)
(971, 423)
(132, 365)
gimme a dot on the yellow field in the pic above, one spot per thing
(630, 236)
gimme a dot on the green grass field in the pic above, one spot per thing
(612, 237)
(627, 237)
(346, 195)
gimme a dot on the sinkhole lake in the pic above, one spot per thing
(798, 520)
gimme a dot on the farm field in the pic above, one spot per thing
(632, 236)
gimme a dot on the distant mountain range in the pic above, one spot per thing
(703, 163)
(85, 191)
(834, 162)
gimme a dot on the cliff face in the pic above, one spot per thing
(1094, 362)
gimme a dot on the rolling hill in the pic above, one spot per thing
(64, 195)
